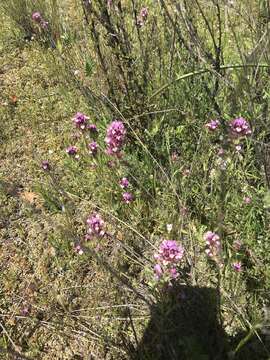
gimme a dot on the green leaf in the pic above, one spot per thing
(89, 67)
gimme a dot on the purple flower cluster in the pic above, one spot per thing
(169, 255)
(115, 138)
(45, 165)
(127, 197)
(44, 24)
(169, 252)
(144, 13)
(247, 200)
(95, 225)
(93, 148)
(72, 150)
(212, 243)
(80, 120)
(37, 18)
(160, 271)
(124, 183)
(237, 266)
(221, 152)
(212, 125)
(26, 310)
(239, 127)
(142, 17)
(78, 249)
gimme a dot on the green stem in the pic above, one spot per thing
(203, 71)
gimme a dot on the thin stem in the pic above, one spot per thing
(204, 71)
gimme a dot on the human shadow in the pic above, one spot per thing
(185, 325)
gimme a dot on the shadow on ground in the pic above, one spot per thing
(190, 330)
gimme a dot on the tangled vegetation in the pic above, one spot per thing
(135, 179)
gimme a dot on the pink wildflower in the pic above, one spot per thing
(158, 271)
(115, 138)
(36, 16)
(93, 148)
(95, 225)
(142, 17)
(87, 237)
(45, 165)
(169, 255)
(44, 24)
(144, 13)
(127, 197)
(212, 125)
(247, 200)
(80, 120)
(78, 249)
(174, 273)
(212, 243)
(26, 310)
(72, 150)
(221, 152)
(237, 266)
(239, 127)
(124, 183)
